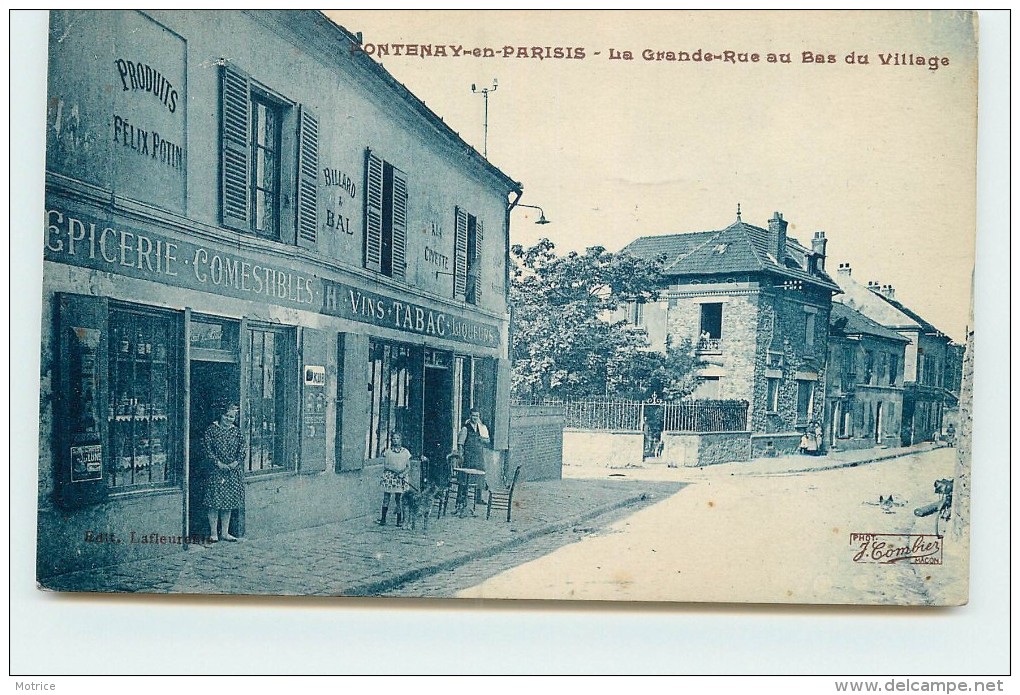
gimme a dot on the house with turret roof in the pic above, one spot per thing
(755, 303)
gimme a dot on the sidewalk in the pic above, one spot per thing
(780, 465)
(359, 558)
(800, 463)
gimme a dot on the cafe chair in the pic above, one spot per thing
(442, 499)
(466, 493)
(502, 499)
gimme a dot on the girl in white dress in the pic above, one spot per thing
(396, 464)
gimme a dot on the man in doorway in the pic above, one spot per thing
(471, 443)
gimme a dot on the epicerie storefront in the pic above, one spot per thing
(149, 329)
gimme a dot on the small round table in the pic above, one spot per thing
(464, 476)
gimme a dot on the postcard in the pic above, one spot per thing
(589, 306)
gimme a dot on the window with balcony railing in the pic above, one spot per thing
(710, 333)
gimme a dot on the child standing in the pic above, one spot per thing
(396, 464)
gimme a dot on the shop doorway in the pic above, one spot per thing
(438, 425)
(212, 383)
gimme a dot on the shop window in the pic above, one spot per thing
(467, 281)
(772, 394)
(385, 217)
(267, 400)
(392, 387)
(258, 179)
(142, 377)
(805, 400)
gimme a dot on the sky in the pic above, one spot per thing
(880, 157)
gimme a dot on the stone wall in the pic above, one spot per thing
(782, 331)
(536, 442)
(734, 362)
(609, 448)
(705, 449)
(778, 444)
(757, 322)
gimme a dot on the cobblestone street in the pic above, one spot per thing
(359, 558)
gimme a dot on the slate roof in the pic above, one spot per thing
(846, 321)
(878, 307)
(925, 325)
(739, 248)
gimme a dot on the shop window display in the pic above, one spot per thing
(142, 376)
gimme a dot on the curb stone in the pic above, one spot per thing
(845, 464)
(379, 587)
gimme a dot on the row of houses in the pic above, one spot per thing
(805, 348)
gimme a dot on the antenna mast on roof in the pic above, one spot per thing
(485, 93)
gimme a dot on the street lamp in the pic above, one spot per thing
(541, 219)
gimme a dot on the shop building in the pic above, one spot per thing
(755, 304)
(864, 389)
(242, 207)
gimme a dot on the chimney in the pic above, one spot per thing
(777, 233)
(818, 246)
(874, 286)
(844, 269)
(889, 291)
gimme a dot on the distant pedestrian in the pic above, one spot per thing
(396, 465)
(811, 441)
(224, 484)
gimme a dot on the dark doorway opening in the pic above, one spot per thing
(213, 384)
(437, 428)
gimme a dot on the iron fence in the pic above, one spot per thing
(651, 416)
(705, 416)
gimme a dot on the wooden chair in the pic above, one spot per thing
(502, 499)
(442, 499)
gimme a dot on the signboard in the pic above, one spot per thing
(86, 463)
(89, 242)
(315, 375)
(380, 310)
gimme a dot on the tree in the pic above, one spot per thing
(566, 345)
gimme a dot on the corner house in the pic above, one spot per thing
(241, 207)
